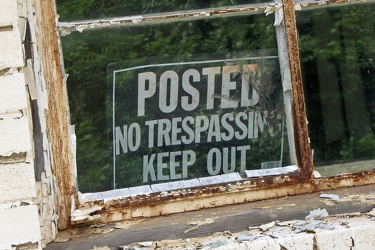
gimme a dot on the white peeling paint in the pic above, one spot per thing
(85, 214)
(330, 196)
(270, 172)
(349, 233)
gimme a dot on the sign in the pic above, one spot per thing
(174, 120)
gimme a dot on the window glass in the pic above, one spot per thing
(74, 10)
(175, 101)
(337, 48)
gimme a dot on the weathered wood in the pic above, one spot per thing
(300, 121)
(235, 218)
(57, 115)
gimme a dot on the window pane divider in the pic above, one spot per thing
(301, 139)
(66, 28)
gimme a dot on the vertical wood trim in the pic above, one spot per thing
(287, 91)
(57, 113)
(301, 135)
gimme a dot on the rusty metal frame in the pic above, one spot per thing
(300, 121)
(177, 200)
(214, 196)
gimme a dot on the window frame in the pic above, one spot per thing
(69, 203)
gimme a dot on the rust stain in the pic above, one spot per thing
(56, 115)
(153, 201)
(252, 9)
(69, 27)
(163, 203)
(299, 112)
(317, 3)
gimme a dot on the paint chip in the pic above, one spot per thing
(64, 236)
(330, 196)
(372, 213)
(197, 224)
(317, 214)
(100, 248)
(266, 227)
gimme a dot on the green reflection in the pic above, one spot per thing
(203, 130)
(87, 55)
(73, 10)
(337, 47)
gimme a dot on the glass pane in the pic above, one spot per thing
(175, 101)
(337, 47)
(74, 10)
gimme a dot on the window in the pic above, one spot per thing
(337, 53)
(178, 95)
(177, 100)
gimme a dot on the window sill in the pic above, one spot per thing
(234, 219)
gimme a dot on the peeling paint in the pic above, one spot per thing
(85, 214)
(276, 8)
(327, 233)
(308, 4)
(197, 224)
(330, 196)
(66, 28)
(270, 172)
(301, 135)
(60, 154)
(147, 201)
(156, 204)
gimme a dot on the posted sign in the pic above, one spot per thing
(183, 120)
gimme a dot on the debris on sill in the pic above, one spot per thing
(126, 224)
(84, 232)
(317, 214)
(366, 198)
(98, 229)
(317, 221)
(371, 213)
(329, 203)
(140, 246)
(266, 227)
(274, 235)
(64, 236)
(197, 224)
(316, 174)
(101, 248)
(85, 214)
(330, 196)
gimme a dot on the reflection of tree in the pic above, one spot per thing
(87, 55)
(70, 10)
(263, 149)
(337, 52)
